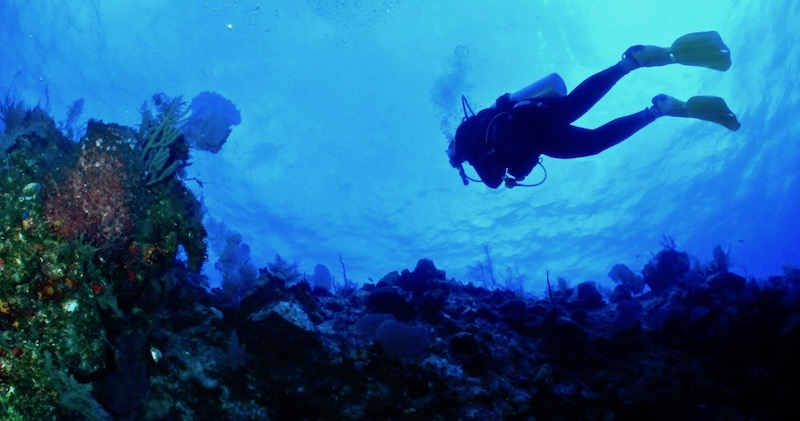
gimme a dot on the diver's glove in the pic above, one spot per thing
(504, 103)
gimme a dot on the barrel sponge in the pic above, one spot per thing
(211, 121)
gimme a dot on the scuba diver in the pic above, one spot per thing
(504, 142)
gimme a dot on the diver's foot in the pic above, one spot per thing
(667, 105)
(647, 56)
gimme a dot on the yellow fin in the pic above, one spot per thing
(713, 109)
(703, 49)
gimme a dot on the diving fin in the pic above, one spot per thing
(708, 108)
(713, 109)
(703, 49)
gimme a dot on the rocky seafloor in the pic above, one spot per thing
(701, 343)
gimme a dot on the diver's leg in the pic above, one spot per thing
(571, 107)
(576, 142)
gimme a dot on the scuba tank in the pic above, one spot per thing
(548, 86)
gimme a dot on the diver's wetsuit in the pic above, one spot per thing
(521, 132)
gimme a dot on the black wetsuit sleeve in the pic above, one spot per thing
(490, 171)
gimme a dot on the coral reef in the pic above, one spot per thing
(87, 252)
(99, 319)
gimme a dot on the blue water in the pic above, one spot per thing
(345, 111)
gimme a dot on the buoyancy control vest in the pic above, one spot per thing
(475, 135)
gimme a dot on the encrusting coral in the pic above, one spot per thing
(98, 195)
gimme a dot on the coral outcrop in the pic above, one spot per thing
(97, 197)
(87, 250)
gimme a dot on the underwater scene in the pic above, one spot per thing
(399, 210)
